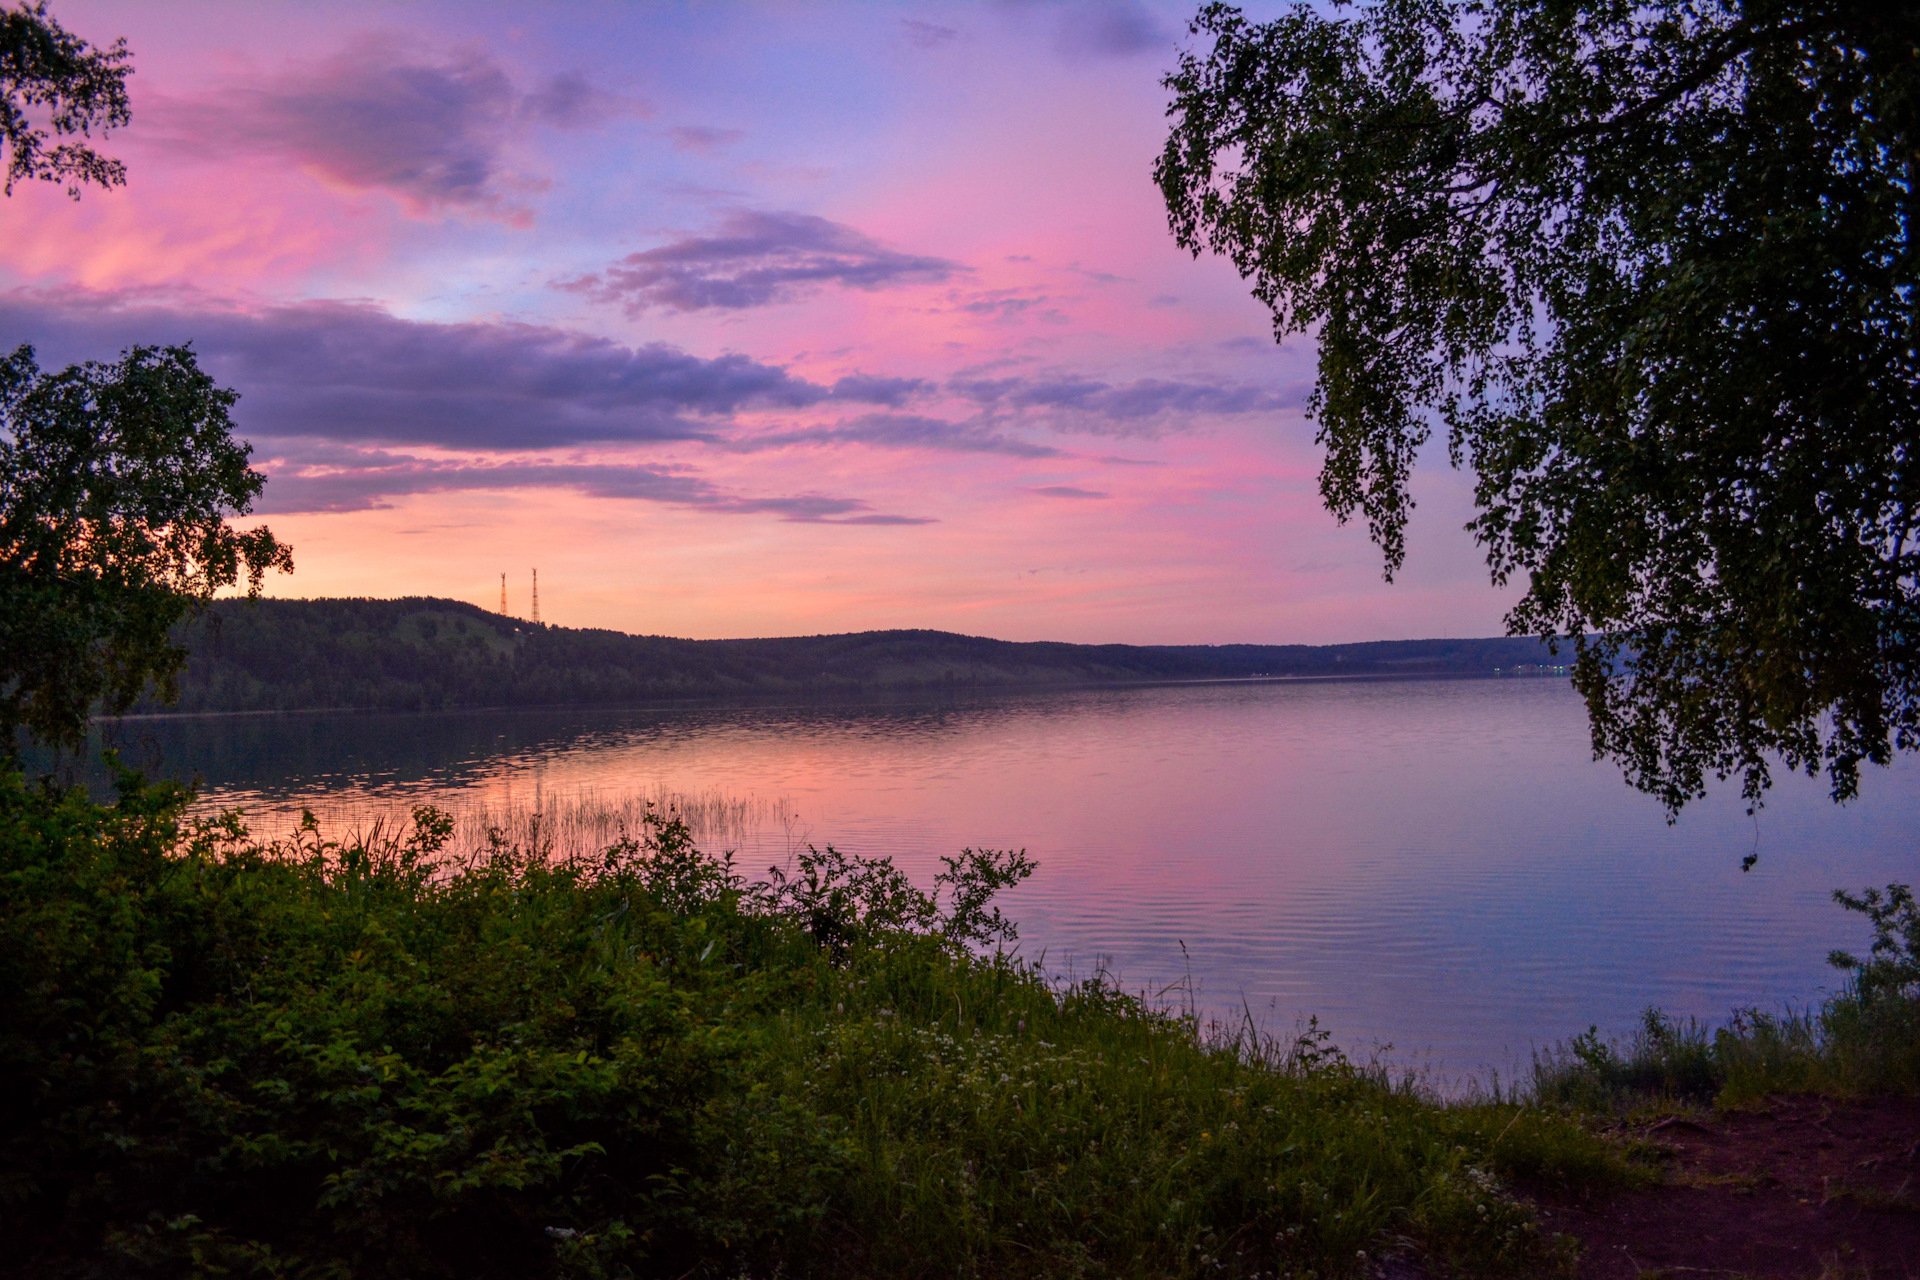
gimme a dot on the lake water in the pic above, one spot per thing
(1437, 866)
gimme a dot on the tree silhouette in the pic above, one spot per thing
(116, 480)
(1651, 267)
(56, 87)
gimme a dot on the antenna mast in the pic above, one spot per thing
(536, 595)
(503, 594)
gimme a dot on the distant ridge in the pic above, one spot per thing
(428, 654)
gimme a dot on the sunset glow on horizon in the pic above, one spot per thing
(734, 320)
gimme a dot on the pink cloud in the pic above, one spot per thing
(439, 411)
(434, 133)
(243, 233)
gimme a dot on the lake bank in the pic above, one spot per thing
(399, 1056)
(1434, 865)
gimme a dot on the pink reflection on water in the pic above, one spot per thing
(1435, 865)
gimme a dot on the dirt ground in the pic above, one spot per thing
(1798, 1188)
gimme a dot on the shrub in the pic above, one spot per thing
(390, 1057)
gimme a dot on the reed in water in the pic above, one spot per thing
(565, 825)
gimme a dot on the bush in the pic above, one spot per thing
(1665, 1060)
(392, 1058)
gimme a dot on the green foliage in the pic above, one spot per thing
(116, 482)
(53, 80)
(1863, 1040)
(1652, 268)
(394, 1058)
(1664, 1061)
(847, 901)
(1891, 970)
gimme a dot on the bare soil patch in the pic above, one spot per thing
(1796, 1188)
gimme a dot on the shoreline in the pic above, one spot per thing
(883, 695)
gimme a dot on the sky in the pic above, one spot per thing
(731, 319)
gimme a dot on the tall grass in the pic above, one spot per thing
(1865, 1039)
(574, 824)
(580, 824)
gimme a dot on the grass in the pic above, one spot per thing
(582, 824)
(1864, 1040)
(401, 1056)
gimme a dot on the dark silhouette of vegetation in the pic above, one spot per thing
(116, 484)
(54, 85)
(1652, 266)
(116, 480)
(424, 654)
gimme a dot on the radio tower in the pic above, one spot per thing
(536, 595)
(503, 594)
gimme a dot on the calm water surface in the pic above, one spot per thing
(1432, 865)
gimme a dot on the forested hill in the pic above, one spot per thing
(424, 654)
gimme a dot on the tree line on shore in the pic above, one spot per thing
(430, 654)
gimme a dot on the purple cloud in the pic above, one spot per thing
(986, 391)
(1001, 304)
(1067, 491)
(350, 371)
(927, 35)
(570, 101)
(1057, 393)
(699, 137)
(1152, 398)
(891, 392)
(335, 480)
(430, 133)
(899, 431)
(1110, 29)
(1088, 404)
(756, 259)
